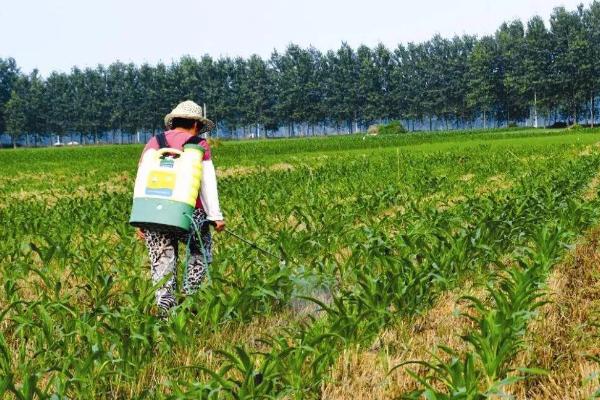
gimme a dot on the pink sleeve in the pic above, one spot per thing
(206, 146)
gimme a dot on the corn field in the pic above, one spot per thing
(375, 231)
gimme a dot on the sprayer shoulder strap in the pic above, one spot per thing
(162, 141)
(194, 140)
(199, 141)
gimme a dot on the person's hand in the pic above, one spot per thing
(219, 225)
(140, 234)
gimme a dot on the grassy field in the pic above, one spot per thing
(430, 265)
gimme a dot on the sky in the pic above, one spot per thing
(55, 35)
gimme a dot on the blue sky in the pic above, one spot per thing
(58, 34)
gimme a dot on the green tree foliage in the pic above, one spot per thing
(381, 101)
(60, 103)
(537, 62)
(96, 112)
(298, 89)
(257, 91)
(342, 91)
(16, 113)
(519, 73)
(36, 107)
(592, 26)
(485, 85)
(572, 69)
(8, 76)
(511, 42)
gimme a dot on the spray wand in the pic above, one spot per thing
(252, 244)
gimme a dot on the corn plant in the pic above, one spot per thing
(384, 239)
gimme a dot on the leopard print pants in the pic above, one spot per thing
(163, 248)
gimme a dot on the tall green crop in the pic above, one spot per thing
(381, 227)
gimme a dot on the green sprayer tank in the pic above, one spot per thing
(166, 188)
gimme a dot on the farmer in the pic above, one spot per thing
(184, 122)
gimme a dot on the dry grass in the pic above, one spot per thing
(243, 171)
(394, 210)
(494, 184)
(157, 374)
(589, 150)
(591, 191)
(363, 374)
(560, 340)
(343, 255)
(119, 183)
(564, 335)
(450, 202)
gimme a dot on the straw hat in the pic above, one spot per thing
(189, 110)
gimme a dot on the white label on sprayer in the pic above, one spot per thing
(159, 207)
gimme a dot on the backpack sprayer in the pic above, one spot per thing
(166, 186)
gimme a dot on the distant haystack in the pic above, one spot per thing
(373, 130)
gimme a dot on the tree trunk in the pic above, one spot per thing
(535, 113)
(574, 110)
(484, 120)
(14, 142)
(592, 109)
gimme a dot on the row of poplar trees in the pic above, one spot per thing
(519, 72)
